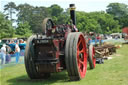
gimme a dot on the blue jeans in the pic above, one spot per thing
(8, 58)
(3, 58)
(22, 52)
(17, 54)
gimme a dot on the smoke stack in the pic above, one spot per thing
(72, 13)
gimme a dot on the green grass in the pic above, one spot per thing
(112, 72)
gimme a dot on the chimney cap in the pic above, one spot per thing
(72, 5)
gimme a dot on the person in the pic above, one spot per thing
(17, 52)
(3, 54)
(12, 46)
(8, 51)
(22, 46)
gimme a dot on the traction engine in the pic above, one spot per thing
(58, 48)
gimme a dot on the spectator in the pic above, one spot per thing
(17, 51)
(3, 54)
(12, 46)
(8, 57)
(22, 46)
(0, 53)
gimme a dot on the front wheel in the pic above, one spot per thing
(76, 56)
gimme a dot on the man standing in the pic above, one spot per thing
(22, 46)
(17, 51)
(3, 54)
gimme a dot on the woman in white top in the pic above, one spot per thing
(17, 51)
(3, 54)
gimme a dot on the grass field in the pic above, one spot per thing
(112, 72)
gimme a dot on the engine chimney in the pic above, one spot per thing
(72, 13)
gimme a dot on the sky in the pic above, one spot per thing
(81, 5)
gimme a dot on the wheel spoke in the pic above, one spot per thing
(81, 62)
(79, 43)
(81, 66)
(82, 51)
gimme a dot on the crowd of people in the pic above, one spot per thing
(12, 49)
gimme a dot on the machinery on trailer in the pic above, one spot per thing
(102, 49)
(58, 48)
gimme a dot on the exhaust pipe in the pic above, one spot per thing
(72, 13)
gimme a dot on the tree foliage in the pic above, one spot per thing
(23, 29)
(98, 22)
(123, 21)
(117, 9)
(33, 15)
(10, 9)
(30, 18)
(120, 13)
(55, 10)
(6, 29)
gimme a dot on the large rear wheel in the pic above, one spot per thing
(76, 56)
(31, 67)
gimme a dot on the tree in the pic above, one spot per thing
(24, 12)
(37, 17)
(55, 10)
(6, 29)
(62, 18)
(123, 21)
(33, 15)
(84, 23)
(120, 13)
(23, 29)
(10, 9)
(99, 22)
(117, 9)
(58, 15)
(106, 21)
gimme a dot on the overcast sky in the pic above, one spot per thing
(81, 5)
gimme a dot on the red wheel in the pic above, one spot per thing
(76, 56)
(81, 56)
(92, 58)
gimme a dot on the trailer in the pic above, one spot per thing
(102, 49)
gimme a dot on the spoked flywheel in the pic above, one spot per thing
(31, 67)
(47, 26)
(91, 57)
(76, 56)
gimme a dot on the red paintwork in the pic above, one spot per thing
(56, 44)
(125, 30)
(93, 58)
(98, 38)
(82, 62)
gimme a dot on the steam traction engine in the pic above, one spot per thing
(60, 47)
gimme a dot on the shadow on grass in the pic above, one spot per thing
(24, 80)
